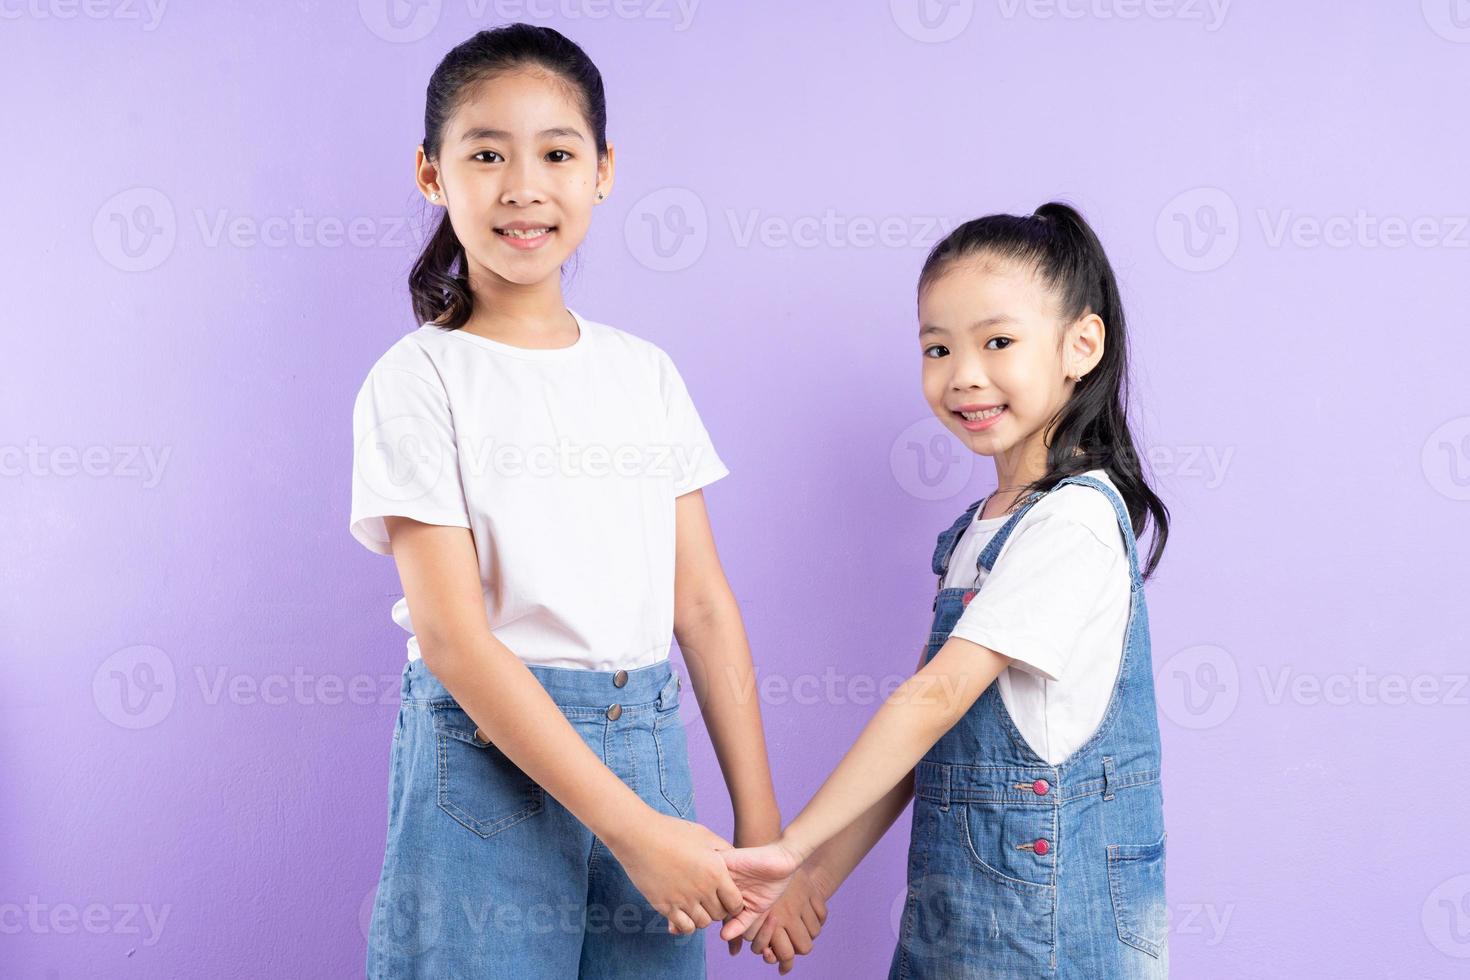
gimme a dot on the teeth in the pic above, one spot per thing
(527, 233)
(989, 413)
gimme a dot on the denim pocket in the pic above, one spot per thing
(992, 831)
(1136, 881)
(478, 784)
(674, 779)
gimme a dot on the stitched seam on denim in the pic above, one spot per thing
(1117, 854)
(1016, 884)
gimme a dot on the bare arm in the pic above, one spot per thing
(831, 863)
(708, 627)
(905, 727)
(439, 571)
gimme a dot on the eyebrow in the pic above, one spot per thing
(989, 321)
(482, 133)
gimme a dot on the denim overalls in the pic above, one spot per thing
(1021, 869)
(486, 875)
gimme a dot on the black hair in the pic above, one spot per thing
(440, 291)
(1091, 430)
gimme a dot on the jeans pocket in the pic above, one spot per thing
(478, 784)
(674, 779)
(992, 833)
(1136, 881)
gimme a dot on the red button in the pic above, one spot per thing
(1042, 846)
(968, 596)
(1040, 787)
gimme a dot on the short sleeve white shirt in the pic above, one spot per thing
(1056, 602)
(563, 463)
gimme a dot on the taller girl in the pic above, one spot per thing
(1028, 737)
(536, 475)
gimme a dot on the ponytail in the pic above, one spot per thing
(1091, 430)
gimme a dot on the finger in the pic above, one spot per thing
(739, 925)
(761, 943)
(809, 919)
(770, 957)
(735, 946)
(781, 946)
(701, 916)
(755, 927)
(679, 923)
(801, 940)
(729, 897)
(821, 907)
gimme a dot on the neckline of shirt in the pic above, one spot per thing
(528, 353)
(987, 522)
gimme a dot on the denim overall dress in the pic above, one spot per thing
(1018, 868)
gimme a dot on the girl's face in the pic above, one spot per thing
(519, 172)
(998, 361)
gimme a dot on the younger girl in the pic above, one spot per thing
(536, 476)
(1028, 739)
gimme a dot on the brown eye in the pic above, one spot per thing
(565, 156)
(1007, 340)
(935, 347)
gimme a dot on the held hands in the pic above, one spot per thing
(789, 926)
(785, 903)
(676, 864)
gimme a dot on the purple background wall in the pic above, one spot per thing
(207, 249)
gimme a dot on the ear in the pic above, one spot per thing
(425, 173)
(605, 174)
(1083, 347)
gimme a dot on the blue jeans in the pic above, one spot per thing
(486, 875)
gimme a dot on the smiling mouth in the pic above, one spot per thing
(989, 413)
(525, 234)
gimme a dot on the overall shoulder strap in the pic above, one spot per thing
(1125, 522)
(944, 547)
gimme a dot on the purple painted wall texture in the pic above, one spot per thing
(210, 217)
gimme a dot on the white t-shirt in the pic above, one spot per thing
(563, 463)
(1056, 602)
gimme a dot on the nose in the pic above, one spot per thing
(522, 185)
(966, 372)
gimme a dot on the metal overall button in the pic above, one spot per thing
(620, 678)
(614, 712)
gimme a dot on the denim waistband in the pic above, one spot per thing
(658, 684)
(946, 783)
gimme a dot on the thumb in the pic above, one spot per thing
(739, 925)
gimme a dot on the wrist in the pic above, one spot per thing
(754, 829)
(621, 830)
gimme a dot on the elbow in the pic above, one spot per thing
(696, 615)
(438, 650)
